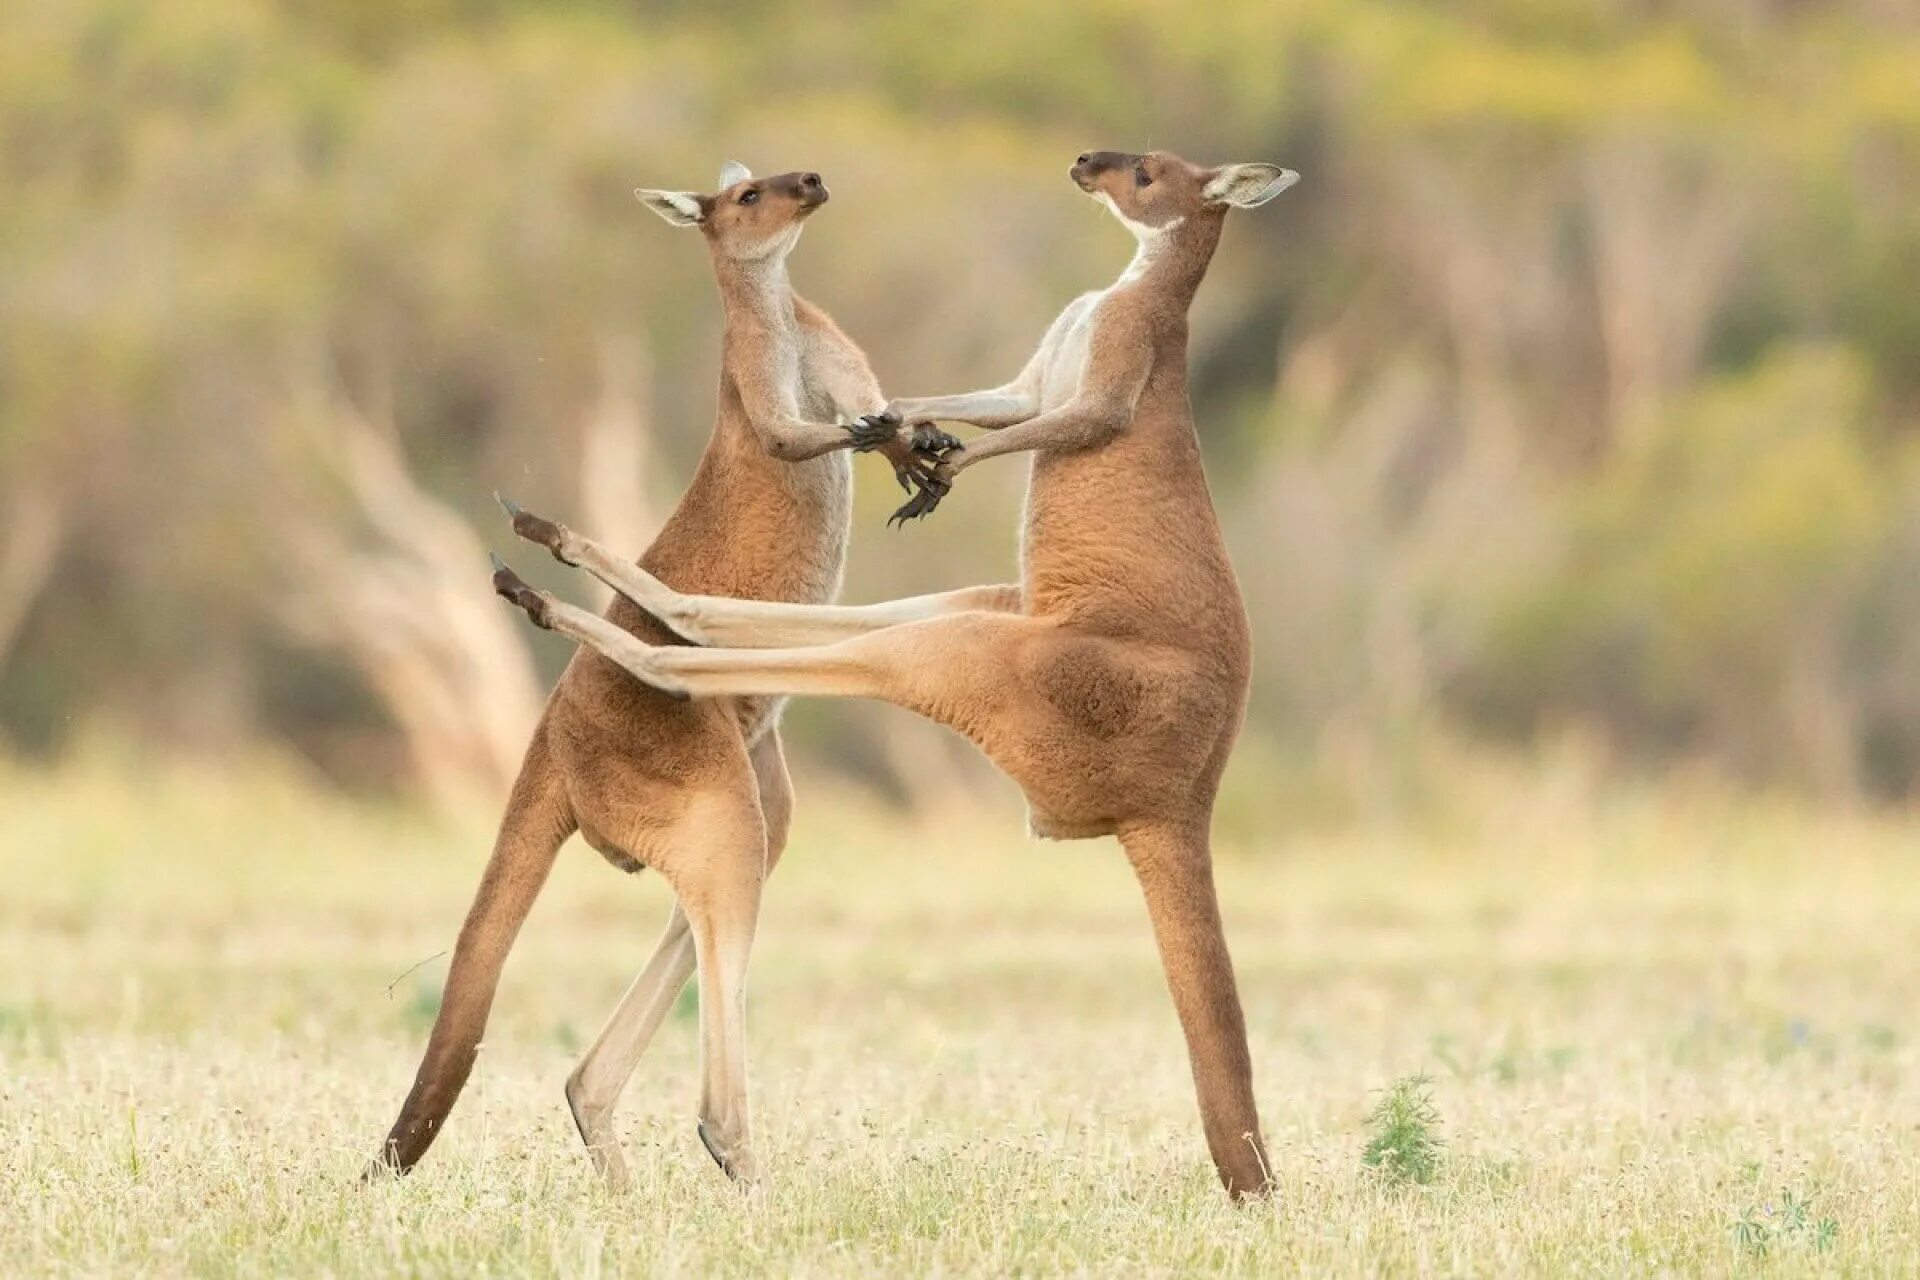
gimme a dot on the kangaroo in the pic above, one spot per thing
(1110, 684)
(699, 792)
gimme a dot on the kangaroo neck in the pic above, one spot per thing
(756, 291)
(1170, 262)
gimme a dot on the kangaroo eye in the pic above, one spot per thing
(749, 196)
(1140, 178)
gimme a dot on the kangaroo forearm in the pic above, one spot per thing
(791, 440)
(1063, 429)
(991, 410)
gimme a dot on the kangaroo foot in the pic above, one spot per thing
(603, 1148)
(380, 1169)
(512, 588)
(556, 538)
(735, 1160)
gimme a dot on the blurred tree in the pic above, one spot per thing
(1578, 381)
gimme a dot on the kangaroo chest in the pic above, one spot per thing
(1065, 350)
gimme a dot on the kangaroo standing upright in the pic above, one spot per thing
(698, 791)
(1111, 683)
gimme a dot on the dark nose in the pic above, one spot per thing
(810, 180)
(1084, 157)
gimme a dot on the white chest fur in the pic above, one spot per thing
(1065, 348)
(1067, 344)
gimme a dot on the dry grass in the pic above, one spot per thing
(1662, 1037)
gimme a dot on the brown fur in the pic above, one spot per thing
(696, 790)
(1112, 687)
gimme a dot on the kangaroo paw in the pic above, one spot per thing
(871, 430)
(921, 504)
(932, 443)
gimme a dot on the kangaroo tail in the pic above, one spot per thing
(537, 822)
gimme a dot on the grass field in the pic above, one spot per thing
(1663, 1036)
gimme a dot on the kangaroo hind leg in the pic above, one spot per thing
(538, 820)
(594, 1088)
(718, 880)
(1175, 869)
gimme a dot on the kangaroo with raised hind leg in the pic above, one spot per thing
(697, 791)
(1111, 682)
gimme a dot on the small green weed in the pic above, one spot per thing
(1793, 1221)
(1405, 1144)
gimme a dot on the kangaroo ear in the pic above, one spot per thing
(731, 172)
(681, 208)
(1247, 185)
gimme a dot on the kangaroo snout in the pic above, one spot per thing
(1092, 164)
(813, 192)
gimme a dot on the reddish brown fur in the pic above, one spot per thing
(697, 790)
(1114, 692)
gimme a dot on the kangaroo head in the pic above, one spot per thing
(1158, 190)
(747, 218)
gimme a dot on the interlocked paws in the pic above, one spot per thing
(871, 430)
(512, 588)
(930, 478)
(932, 443)
(924, 474)
(934, 483)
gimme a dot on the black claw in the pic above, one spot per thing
(870, 431)
(915, 508)
(512, 507)
(499, 565)
(932, 443)
(934, 484)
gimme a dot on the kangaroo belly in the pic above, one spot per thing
(749, 527)
(1123, 540)
(756, 528)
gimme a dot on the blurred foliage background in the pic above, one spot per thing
(1574, 396)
